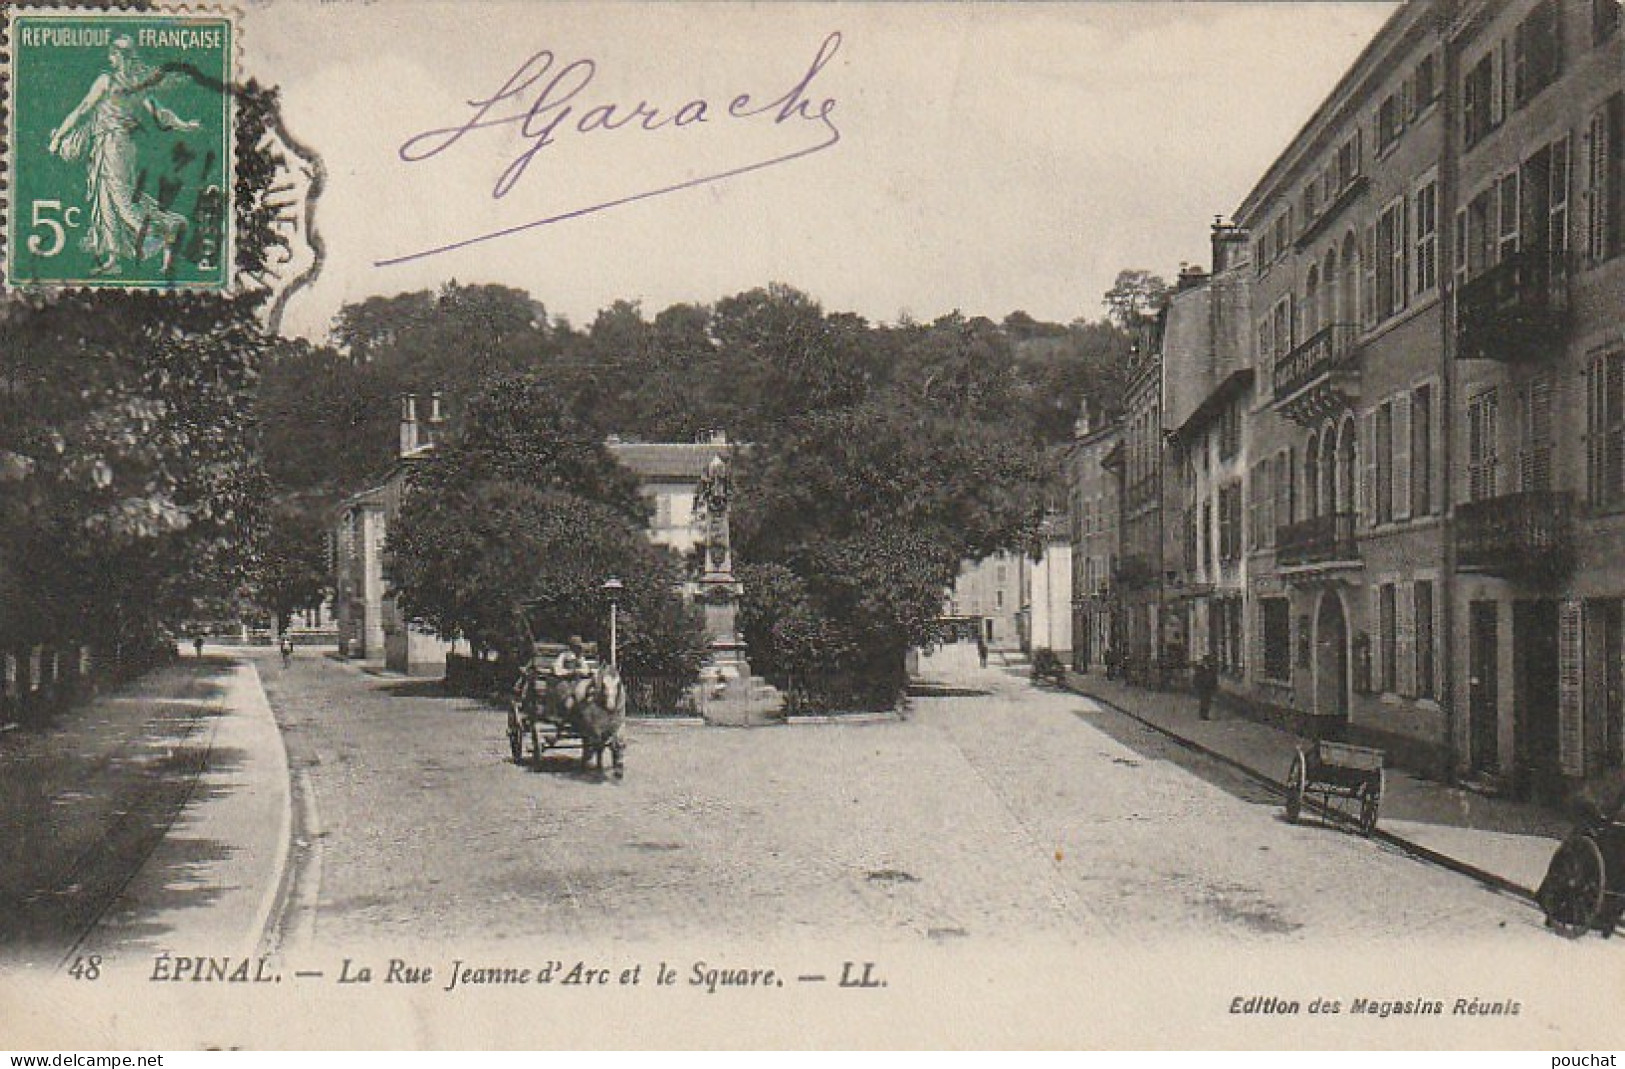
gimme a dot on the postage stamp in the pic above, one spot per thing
(119, 149)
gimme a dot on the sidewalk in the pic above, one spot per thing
(154, 817)
(1503, 843)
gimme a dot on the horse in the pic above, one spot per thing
(600, 711)
(593, 706)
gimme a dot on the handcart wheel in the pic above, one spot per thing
(1576, 886)
(1370, 800)
(1295, 782)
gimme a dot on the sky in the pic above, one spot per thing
(892, 159)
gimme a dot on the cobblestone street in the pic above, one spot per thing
(995, 811)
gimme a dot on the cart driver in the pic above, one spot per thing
(572, 663)
(570, 668)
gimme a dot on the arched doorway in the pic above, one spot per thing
(1331, 659)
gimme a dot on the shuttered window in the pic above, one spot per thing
(1483, 460)
(1604, 150)
(1405, 641)
(1605, 429)
(1402, 457)
(1425, 218)
(1570, 686)
(1535, 434)
(1422, 451)
(1368, 469)
(1384, 486)
(1388, 637)
(1424, 639)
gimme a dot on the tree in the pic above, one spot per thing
(465, 562)
(1136, 296)
(527, 507)
(295, 567)
(872, 509)
(516, 429)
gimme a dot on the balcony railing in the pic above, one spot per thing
(1516, 310)
(1528, 534)
(1329, 349)
(1318, 540)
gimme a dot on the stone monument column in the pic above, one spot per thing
(719, 590)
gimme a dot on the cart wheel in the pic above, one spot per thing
(1575, 888)
(1295, 781)
(516, 736)
(1370, 800)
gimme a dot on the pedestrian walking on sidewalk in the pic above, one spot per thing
(981, 649)
(1206, 681)
(197, 645)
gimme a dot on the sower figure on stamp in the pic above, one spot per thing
(124, 223)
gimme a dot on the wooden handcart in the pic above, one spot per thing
(1343, 775)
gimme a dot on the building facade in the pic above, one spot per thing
(990, 591)
(1139, 629)
(1346, 494)
(1045, 619)
(1427, 419)
(1209, 365)
(1092, 505)
(1539, 402)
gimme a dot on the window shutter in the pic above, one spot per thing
(1596, 186)
(1570, 722)
(1368, 276)
(1402, 456)
(1368, 469)
(1405, 639)
(1613, 427)
(1595, 435)
(1498, 80)
(1374, 632)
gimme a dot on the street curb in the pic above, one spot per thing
(273, 902)
(1416, 850)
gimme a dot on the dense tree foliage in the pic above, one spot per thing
(880, 457)
(525, 506)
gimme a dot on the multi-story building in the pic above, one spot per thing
(367, 614)
(1137, 461)
(1209, 367)
(1538, 403)
(1093, 507)
(1346, 499)
(990, 590)
(1045, 618)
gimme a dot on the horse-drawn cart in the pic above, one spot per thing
(550, 707)
(1337, 770)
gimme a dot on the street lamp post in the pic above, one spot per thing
(613, 587)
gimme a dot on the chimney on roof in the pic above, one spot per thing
(409, 424)
(1230, 244)
(1190, 276)
(437, 420)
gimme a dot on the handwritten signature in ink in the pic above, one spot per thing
(546, 111)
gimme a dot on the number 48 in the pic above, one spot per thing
(46, 214)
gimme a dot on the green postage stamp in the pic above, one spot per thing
(119, 149)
